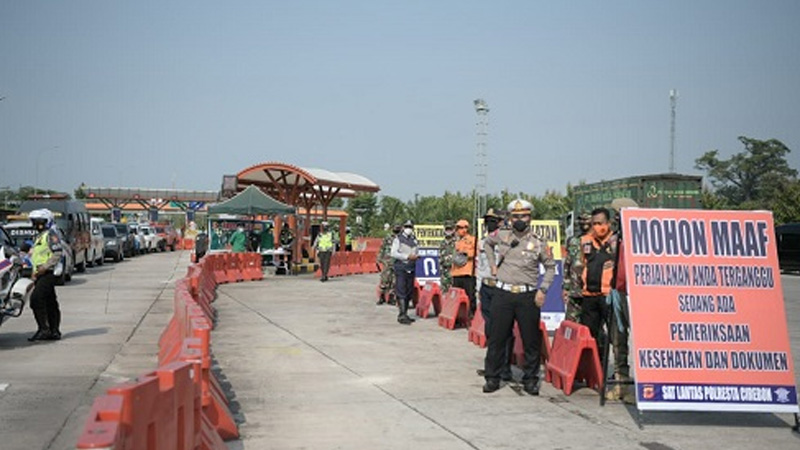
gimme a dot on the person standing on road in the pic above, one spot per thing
(514, 257)
(572, 289)
(404, 255)
(488, 290)
(45, 257)
(239, 240)
(598, 253)
(386, 264)
(323, 246)
(464, 263)
(447, 249)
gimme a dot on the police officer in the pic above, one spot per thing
(572, 289)
(447, 249)
(514, 256)
(404, 254)
(488, 289)
(45, 256)
(323, 246)
(386, 263)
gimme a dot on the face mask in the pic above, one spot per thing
(408, 231)
(492, 226)
(520, 225)
(601, 230)
(240, 229)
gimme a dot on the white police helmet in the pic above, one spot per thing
(42, 215)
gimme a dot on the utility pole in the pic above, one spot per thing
(673, 101)
(481, 163)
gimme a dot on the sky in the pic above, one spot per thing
(177, 94)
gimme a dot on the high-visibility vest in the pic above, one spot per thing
(41, 252)
(598, 264)
(325, 243)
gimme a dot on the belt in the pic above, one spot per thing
(491, 282)
(515, 288)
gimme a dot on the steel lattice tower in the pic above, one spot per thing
(481, 163)
(673, 102)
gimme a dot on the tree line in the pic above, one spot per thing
(758, 177)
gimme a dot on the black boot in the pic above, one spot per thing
(41, 323)
(402, 316)
(54, 321)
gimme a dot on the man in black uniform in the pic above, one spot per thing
(514, 256)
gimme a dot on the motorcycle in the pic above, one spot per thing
(15, 291)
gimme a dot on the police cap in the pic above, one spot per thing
(520, 206)
(409, 223)
(449, 225)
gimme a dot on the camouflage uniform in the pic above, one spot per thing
(385, 260)
(447, 249)
(573, 273)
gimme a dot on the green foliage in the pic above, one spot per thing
(757, 178)
(366, 207)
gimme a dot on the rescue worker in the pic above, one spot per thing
(404, 255)
(323, 247)
(238, 240)
(463, 270)
(45, 256)
(572, 289)
(488, 288)
(447, 249)
(386, 264)
(514, 257)
(598, 255)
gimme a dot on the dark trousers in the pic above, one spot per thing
(404, 288)
(593, 312)
(324, 263)
(467, 283)
(44, 303)
(507, 307)
(487, 293)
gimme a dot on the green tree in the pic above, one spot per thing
(366, 207)
(392, 211)
(750, 179)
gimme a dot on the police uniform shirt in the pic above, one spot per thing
(519, 258)
(52, 239)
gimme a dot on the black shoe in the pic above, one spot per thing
(506, 377)
(380, 302)
(490, 387)
(54, 336)
(532, 387)
(40, 335)
(405, 320)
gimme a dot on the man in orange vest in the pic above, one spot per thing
(463, 271)
(598, 253)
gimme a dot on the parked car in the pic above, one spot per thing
(113, 243)
(125, 236)
(169, 237)
(22, 230)
(150, 238)
(97, 246)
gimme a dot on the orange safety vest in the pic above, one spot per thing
(465, 245)
(598, 264)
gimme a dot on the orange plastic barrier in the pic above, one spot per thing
(477, 332)
(518, 354)
(429, 295)
(573, 357)
(337, 265)
(234, 267)
(353, 263)
(455, 309)
(103, 427)
(220, 267)
(368, 262)
(251, 266)
(188, 243)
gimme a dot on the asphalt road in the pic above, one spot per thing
(318, 365)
